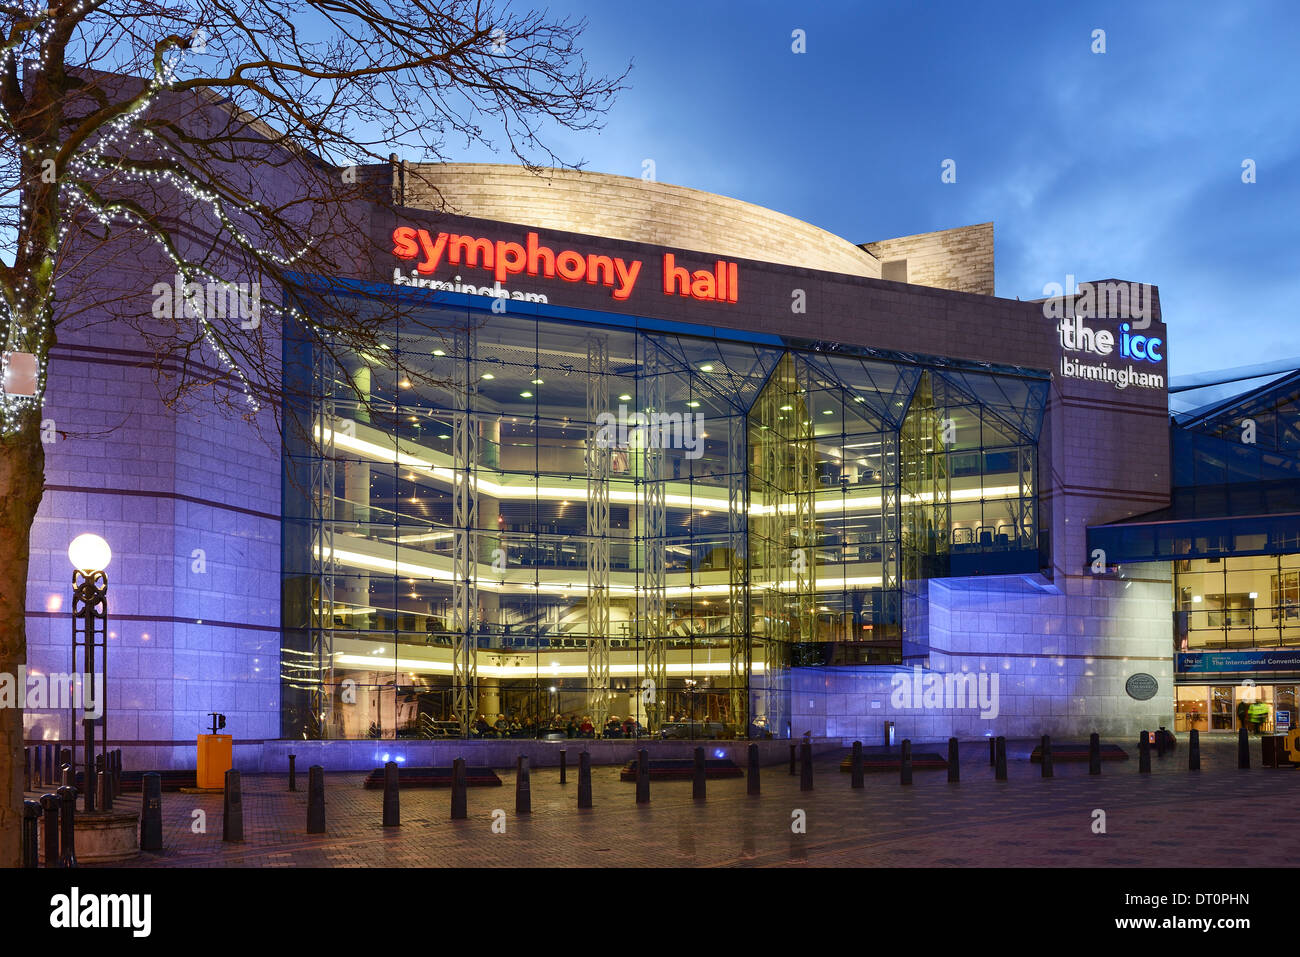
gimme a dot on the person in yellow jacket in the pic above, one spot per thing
(1258, 714)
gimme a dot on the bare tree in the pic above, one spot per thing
(237, 142)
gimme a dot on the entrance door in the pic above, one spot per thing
(1222, 717)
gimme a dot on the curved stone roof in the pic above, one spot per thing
(636, 210)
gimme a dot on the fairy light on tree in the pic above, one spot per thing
(213, 142)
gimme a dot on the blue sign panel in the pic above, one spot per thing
(1199, 662)
(1283, 720)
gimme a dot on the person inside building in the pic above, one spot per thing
(1258, 716)
(481, 727)
(586, 729)
(613, 727)
(570, 728)
(631, 728)
(502, 726)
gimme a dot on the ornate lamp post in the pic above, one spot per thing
(90, 555)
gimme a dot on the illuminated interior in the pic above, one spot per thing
(496, 533)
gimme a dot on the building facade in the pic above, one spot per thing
(649, 455)
(1232, 537)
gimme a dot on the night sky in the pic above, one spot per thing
(1125, 164)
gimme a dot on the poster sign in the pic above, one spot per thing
(1202, 662)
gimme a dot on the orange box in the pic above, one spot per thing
(214, 759)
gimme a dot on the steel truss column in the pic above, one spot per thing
(741, 642)
(776, 558)
(655, 512)
(597, 460)
(803, 486)
(890, 521)
(1028, 496)
(940, 495)
(464, 520)
(323, 505)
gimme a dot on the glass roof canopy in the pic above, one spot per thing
(1236, 467)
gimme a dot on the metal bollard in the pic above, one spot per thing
(1194, 751)
(855, 766)
(643, 776)
(38, 777)
(151, 812)
(103, 791)
(1000, 769)
(65, 776)
(90, 785)
(805, 766)
(51, 764)
(584, 780)
(993, 752)
(67, 826)
(232, 809)
(117, 773)
(1046, 747)
(1243, 750)
(315, 799)
(1160, 742)
(697, 781)
(753, 783)
(905, 765)
(1144, 753)
(954, 762)
(563, 765)
(27, 769)
(293, 777)
(1094, 753)
(31, 833)
(392, 799)
(523, 790)
(793, 759)
(459, 790)
(50, 831)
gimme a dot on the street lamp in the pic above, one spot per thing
(90, 555)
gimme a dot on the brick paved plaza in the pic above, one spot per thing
(1220, 817)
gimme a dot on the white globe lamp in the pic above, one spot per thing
(89, 553)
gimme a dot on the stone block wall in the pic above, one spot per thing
(958, 259)
(1061, 660)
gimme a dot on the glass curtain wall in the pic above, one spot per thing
(1246, 602)
(547, 528)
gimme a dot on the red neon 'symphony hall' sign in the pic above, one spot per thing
(531, 258)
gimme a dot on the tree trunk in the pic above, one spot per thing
(22, 482)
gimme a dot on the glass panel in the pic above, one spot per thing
(545, 528)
